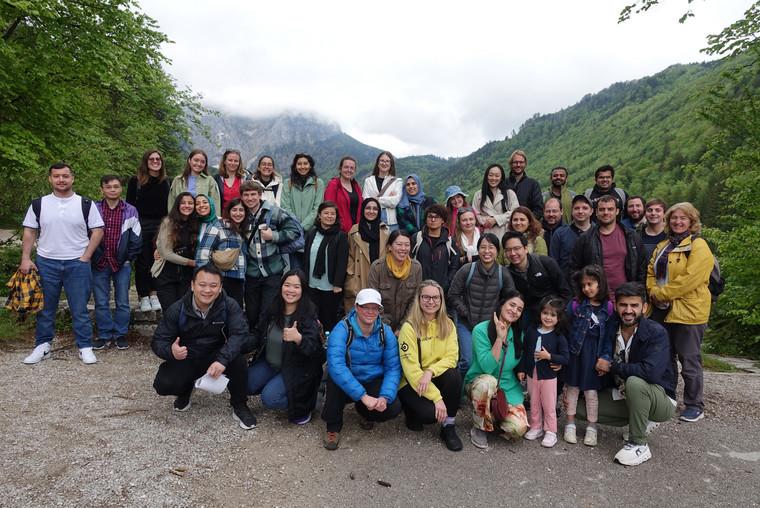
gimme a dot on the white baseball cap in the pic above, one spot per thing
(369, 295)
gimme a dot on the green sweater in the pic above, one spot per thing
(204, 184)
(483, 362)
(303, 203)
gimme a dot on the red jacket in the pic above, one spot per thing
(335, 192)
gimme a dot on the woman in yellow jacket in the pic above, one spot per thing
(431, 386)
(677, 282)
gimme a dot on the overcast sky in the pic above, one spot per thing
(420, 77)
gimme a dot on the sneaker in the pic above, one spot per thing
(650, 428)
(99, 344)
(331, 440)
(414, 425)
(121, 343)
(632, 454)
(303, 420)
(366, 424)
(533, 434)
(450, 438)
(570, 435)
(182, 403)
(154, 303)
(479, 438)
(691, 414)
(39, 353)
(590, 438)
(145, 304)
(550, 439)
(243, 415)
(87, 356)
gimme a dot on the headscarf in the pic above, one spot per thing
(370, 231)
(414, 202)
(330, 237)
(211, 217)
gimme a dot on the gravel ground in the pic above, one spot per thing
(99, 435)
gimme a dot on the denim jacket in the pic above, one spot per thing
(582, 321)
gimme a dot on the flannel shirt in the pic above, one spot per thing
(25, 293)
(111, 236)
(218, 236)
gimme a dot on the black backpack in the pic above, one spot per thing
(86, 205)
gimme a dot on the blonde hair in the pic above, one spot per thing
(690, 211)
(521, 154)
(416, 318)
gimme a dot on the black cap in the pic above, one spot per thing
(582, 197)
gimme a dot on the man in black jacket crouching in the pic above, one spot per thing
(203, 333)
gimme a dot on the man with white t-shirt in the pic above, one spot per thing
(67, 228)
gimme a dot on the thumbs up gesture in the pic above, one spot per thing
(291, 333)
(179, 352)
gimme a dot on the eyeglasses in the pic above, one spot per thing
(433, 216)
(513, 249)
(430, 298)
(154, 159)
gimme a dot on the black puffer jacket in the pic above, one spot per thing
(222, 334)
(438, 256)
(588, 251)
(301, 364)
(476, 301)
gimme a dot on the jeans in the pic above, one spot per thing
(265, 380)
(464, 336)
(74, 277)
(116, 325)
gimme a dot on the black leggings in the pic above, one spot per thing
(336, 400)
(172, 283)
(177, 377)
(329, 307)
(422, 410)
(143, 279)
(234, 289)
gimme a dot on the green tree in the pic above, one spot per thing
(82, 81)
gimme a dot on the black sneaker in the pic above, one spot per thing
(450, 438)
(243, 415)
(366, 424)
(121, 343)
(99, 344)
(414, 425)
(182, 403)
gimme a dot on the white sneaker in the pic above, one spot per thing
(87, 356)
(533, 434)
(632, 454)
(145, 304)
(550, 439)
(570, 435)
(38, 354)
(154, 303)
(590, 437)
(650, 428)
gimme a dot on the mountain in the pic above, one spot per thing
(282, 137)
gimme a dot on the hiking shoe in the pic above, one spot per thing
(691, 414)
(414, 425)
(632, 454)
(182, 403)
(39, 353)
(87, 356)
(302, 420)
(145, 304)
(570, 435)
(121, 343)
(331, 440)
(242, 414)
(479, 438)
(533, 434)
(650, 427)
(590, 438)
(366, 424)
(450, 438)
(154, 303)
(550, 439)
(99, 344)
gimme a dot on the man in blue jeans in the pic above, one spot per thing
(121, 244)
(67, 229)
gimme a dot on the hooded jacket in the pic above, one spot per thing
(588, 251)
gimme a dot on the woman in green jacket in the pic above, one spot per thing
(301, 195)
(195, 180)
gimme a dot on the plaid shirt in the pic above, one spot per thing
(25, 294)
(111, 235)
(220, 237)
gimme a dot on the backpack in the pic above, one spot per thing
(293, 245)
(618, 191)
(716, 284)
(350, 339)
(418, 242)
(86, 205)
(472, 272)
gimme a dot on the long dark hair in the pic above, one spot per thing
(485, 189)
(595, 272)
(178, 222)
(295, 176)
(143, 173)
(305, 309)
(186, 172)
(516, 328)
(237, 228)
(376, 169)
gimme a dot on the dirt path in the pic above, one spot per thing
(98, 435)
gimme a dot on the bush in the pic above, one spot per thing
(10, 257)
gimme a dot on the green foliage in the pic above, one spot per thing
(10, 257)
(11, 329)
(82, 81)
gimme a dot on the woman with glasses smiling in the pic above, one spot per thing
(435, 249)
(383, 185)
(431, 385)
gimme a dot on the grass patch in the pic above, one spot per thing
(715, 364)
(11, 329)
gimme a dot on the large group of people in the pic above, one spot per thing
(415, 306)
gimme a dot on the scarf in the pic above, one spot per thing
(567, 204)
(211, 217)
(330, 235)
(661, 266)
(399, 273)
(370, 231)
(414, 202)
